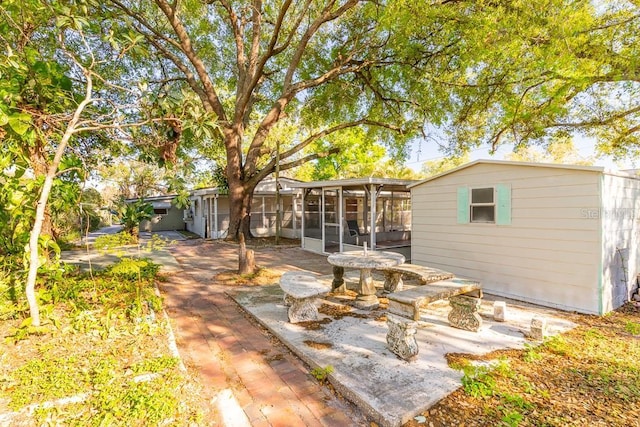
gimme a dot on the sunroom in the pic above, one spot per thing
(344, 215)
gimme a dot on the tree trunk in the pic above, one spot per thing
(36, 232)
(41, 208)
(39, 162)
(240, 199)
(246, 258)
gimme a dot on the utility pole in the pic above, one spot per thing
(277, 175)
(81, 224)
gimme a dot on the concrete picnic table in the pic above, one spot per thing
(366, 261)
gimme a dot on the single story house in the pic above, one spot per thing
(556, 235)
(166, 216)
(328, 216)
(208, 214)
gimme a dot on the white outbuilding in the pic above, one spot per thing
(561, 236)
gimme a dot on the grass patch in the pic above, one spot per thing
(102, 344)
(633, 328)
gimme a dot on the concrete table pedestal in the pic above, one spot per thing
(365, 261)
(338, 286)
(366, 299)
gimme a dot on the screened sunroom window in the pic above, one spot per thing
(483, 206)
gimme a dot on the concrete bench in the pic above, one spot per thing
(393, 275)
(301, 290)
(464, 297)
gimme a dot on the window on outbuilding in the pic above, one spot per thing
(160, 211)
(483, 206)
(489, 205)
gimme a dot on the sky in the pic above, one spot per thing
(429, 151)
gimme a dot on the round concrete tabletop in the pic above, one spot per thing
(370, 260)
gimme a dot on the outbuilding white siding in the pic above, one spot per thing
(550, 252)
(620, 231)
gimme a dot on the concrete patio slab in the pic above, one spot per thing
(389, 390)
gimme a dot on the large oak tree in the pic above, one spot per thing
(321, 67)
(486, 71)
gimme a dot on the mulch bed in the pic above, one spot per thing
(588, 376)
(262, 277)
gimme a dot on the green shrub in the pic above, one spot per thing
(632, 327)
(110, 242)
(40, 380)
(132, 214)
(477, 381)
(322, 374)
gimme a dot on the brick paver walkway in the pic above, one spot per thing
(232, 353)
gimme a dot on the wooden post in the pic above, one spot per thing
(277, 176)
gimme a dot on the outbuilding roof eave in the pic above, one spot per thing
(595, 169)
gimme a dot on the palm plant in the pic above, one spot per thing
(132, 214)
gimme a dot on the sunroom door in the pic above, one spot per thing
(331, 214)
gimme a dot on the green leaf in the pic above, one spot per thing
(13, 63)
(26, 322)
(19, 122)
(4, 118)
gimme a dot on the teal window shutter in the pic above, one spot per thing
(503, 204)
(463, 205)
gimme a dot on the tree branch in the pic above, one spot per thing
(244, 103)
(331, 130)
(237, 28)
(308, 158)
(191, 79)
(146, 24)
(270, 166)
(153, 38)
(256, 33)
(598, 122)
(275, 113)
(187, 49)
(324, 17)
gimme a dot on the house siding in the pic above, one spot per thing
(620, 214)
(549, 254)
(172, 220)
(203, 219)
(197, 224)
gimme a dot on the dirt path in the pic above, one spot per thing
(250, 377)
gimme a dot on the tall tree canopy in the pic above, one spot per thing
(321, 66)
(486, 72)
(560, 151)
(523, 72)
